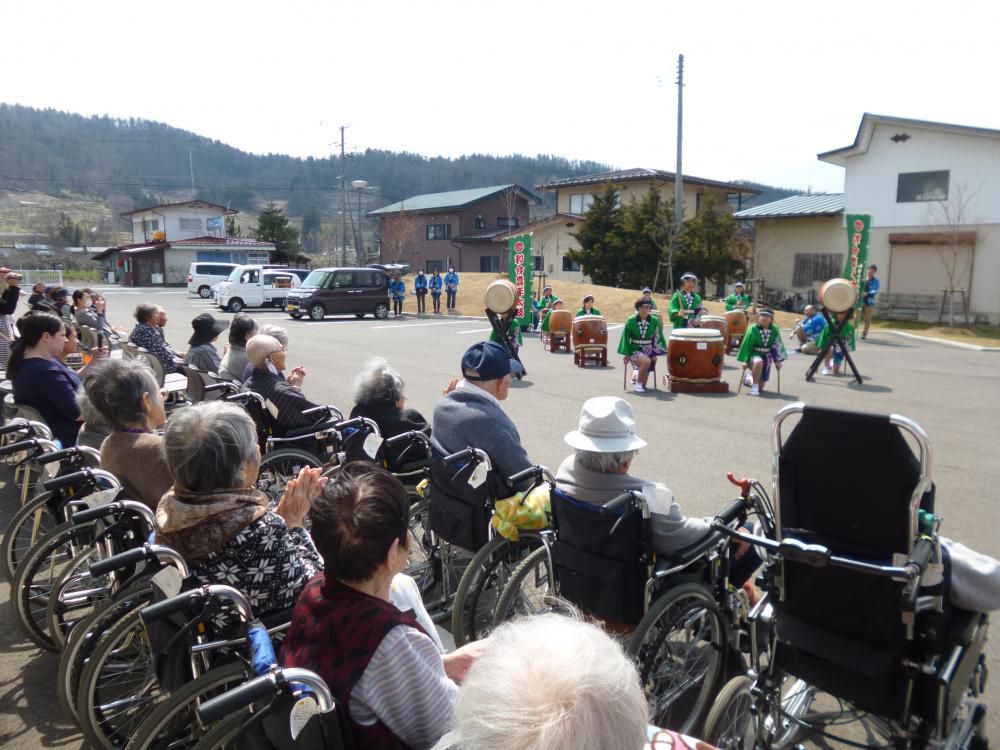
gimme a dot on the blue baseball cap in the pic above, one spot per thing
(486, 360)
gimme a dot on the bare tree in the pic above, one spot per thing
(950, 219)
(398, 232)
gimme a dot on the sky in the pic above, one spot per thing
(768, 85)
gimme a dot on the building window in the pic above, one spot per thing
(810, 267)
(434, 265)
(735, 201)
(570, 265)
(258, 259)
(504, 221)
(536, 263)
(190, 225)
(914, 187)
(580, 203)
(439, 231)
(697, 202)
(480, 222)
(489, 264)
(150, 225)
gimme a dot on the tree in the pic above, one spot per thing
(648, 227)
(601, 239)
(712, 245)
(232, 228)
(310, 228)
(950, 218)
(273, 226)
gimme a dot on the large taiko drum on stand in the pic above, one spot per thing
(590, 340)
(838, 295)
(716, 322)
(694, 360)
(560, 326)
(501, 296)
(736, 326)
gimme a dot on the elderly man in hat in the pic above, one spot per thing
(201, 346)
(605, 444)
(760, 348)
(470, 415)
(685, 305)
(739, 299)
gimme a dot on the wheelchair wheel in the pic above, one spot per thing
(279, 466)
(224, 734)
(118, 687)
(31, 522)
(421, 567)
(36, 575)
(680, 647)
(173, 724)
(483, 583)
(729, 725)
(75, 595)
(528, 591)
(85, 635)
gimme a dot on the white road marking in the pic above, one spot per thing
(419, 325)
(476, 330)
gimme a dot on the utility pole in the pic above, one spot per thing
(191, 166)
(343, 198)
(678, 172)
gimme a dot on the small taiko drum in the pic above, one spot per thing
(736, 323)
(560, 322)
(695, 355)
(838, 295)
(589, 332)
(717, 322)
(501, 296)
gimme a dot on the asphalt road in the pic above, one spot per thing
(693, 439)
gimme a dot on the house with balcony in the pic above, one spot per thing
(553, 236)
(933, 192)
(458, 227)
(169, 237)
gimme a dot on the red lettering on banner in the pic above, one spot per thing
(519, 260)
(858, 225)
(518, 246)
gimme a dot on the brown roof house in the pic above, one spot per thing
(168, 238)
(458, 227)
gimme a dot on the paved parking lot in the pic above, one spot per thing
(693, 439)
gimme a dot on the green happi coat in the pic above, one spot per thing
(846, 335)
(581, 311)
(753, 344)
(546, 301)
(734, 301)
(515, 328)
(545, 323)
(632, 342)
(677, 307)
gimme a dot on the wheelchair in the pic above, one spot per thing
(859, 618)
(680, 617)
(459, 563)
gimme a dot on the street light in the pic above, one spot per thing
(358, 185)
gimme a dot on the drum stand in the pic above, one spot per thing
(501, 329)
(835, 338)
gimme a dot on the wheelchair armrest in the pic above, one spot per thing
(687, 555)
(920, 556)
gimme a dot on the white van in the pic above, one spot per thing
(202, 276)
(255, 286)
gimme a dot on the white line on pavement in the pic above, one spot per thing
(477, 330)
(418, 325)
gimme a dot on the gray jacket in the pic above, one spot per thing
(671, 530)
(470, 417)
(234, 363)
(203, 356)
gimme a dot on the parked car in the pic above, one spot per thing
(341, 291)
(255, 286)
(202, 276)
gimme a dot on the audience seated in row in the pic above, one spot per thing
(283, 396)
(201, 346)
(148, 334)
(235, 361)
(379, 396)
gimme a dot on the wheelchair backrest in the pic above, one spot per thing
(600, 572)
(460, 513)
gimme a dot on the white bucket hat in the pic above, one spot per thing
(607, 425)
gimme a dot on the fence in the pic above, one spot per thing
(34, 276)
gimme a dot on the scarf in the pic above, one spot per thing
(199, 524)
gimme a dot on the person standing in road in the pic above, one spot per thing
(868, 307)
(451, 286)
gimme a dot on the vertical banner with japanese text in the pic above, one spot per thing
(520, 272)
(858, 233)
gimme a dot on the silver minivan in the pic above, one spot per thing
(202, 276)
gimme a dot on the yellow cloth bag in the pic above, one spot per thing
(522, 512)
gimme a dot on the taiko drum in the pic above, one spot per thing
(696, 355)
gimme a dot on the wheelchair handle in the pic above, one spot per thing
(261, 687)
(470, 454)
(616, 503)
(733, 511)
(80, 478)
(74, 452)
(151, 552)
(357, 422)
(17, 424)
(21, 445)
(328, 409)
(160, 610)
(112, 509)
(743, 484)
(411, 435)
(243, 396)
(538, 472)
(230, 388)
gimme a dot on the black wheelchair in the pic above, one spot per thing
(858, 624)
(682, 619)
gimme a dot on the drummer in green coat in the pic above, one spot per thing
(760, 347)
(738, 300)
(557, 304)
(510, 320)
(647, 295)
(835, 357)
(588, 307)
(547, 298)
(642, 342)
(685, 305)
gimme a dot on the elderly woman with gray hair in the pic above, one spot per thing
(126, 397)
(379, 396)
(220, 523)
